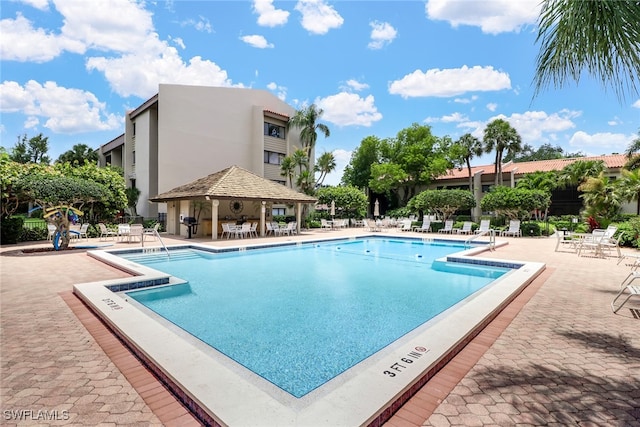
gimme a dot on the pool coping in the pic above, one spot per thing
(218, 395)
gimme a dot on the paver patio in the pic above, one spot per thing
(564, 359)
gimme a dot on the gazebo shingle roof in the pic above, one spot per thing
(234, 183)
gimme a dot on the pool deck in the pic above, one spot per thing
(557, 355)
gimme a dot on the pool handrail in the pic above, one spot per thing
(492, 238)
(157, 234)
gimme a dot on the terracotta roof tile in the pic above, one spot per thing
(612, 161)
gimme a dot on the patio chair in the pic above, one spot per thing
(51, 230)
(136, 231)
(406, 225)
(325, 225)
(448, 227)
(152, 231)
(592, 242)
(425, 227)
(466, 228)
(254, 230)
(123, 231)
(105, 233)
(82, 233)
(370, 226)
(485, 225)
(566, 240)
(633, 290)
(513, 230)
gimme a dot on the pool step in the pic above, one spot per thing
(178, 255)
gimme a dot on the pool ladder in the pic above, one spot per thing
(157, 234)
(492, 239)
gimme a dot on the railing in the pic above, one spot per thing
(156, 234)
(492, 238)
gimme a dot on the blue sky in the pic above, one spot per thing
(71, 68)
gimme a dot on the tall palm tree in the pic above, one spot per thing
(307, 120)
(78, 154)
(469, 147)
(325, 164)
(301, 160)
(600, 37)
(500, 136)
(288, 169)
(601, 200)
(577, 172)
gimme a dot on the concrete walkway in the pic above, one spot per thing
(564, 359)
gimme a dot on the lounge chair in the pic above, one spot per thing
(51, 230)
(425, 227)
(448, 227)
(105, 233)
(466, 228)
(633, 290)
(370, 226)
(513, 230)
(406, 225)
(84, 228)
(593, 242)
(566, 240)
(152, 231)
(325, 225)
(485, 225)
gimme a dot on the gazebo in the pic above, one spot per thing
(236, 186)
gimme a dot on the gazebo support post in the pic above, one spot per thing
(263, 210)
(298, 217)
(214, 218)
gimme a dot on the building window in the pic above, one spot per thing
(278, 211)
(107, 159)
(134, 128)
(486, 188)
(133, 157)
(273, 158)
(275, 131)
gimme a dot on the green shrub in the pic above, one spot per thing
(530, 229)
(10, 230)
(33, 234)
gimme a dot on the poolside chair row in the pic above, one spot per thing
(600, 242)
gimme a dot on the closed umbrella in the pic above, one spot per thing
(376, 208)
(333, 208)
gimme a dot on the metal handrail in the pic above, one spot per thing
(492, 238)
(157, 234)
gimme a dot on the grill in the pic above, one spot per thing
(191, 223)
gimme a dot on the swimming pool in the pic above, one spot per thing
(222, 391)
(345, 300)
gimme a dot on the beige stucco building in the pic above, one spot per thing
(186, 132)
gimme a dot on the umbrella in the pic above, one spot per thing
(333, 208)
(376, 208)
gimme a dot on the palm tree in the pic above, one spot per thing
(601, 200)
(326, 164)
(600, 37)
(78, 154)
(577, 172)
(306, 120)
(544, 181)
(288, 169)
(633, 154)
(300, 159)
(500, 136)
(629, 186)
(469, 147)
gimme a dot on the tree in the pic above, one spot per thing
(629, 186)
(601, 37)
(444, 202)
(325, 164)
(288, 169)
(544, 152)
(413, 159)
(543, 181)
(575, 173)
(350, 201)
(600, 198)
(32, 151)
(633, 154)
(301, 160)
(501, 137)
(358, 172)
(307, 120)
(78, 154)
(515, 203)
(465, 149)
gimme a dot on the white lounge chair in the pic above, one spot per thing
(51, 230)
(152, 231)
(370, 226)
(425, 227)
(84, 228)
(466, 228)
(513, 230)
(633, 290)
(406, 225)
(325, 225)
(448, 227)
(485, 225)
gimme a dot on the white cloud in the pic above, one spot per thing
(348, 109)
(636, 104)
(535, 126)
(202, 24)
(450, 82)
(492, 106)
(21, 42)
(269, 16)
(468, 100)
(257, 41)
(493, 17)
(38, 4)
(178, 41)
(600, 143)
(382, 33)
(353, 84)
(280, 91)
(451, 118)
(64, 110)
(318, 17)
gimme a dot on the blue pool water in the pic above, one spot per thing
(300, 315)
